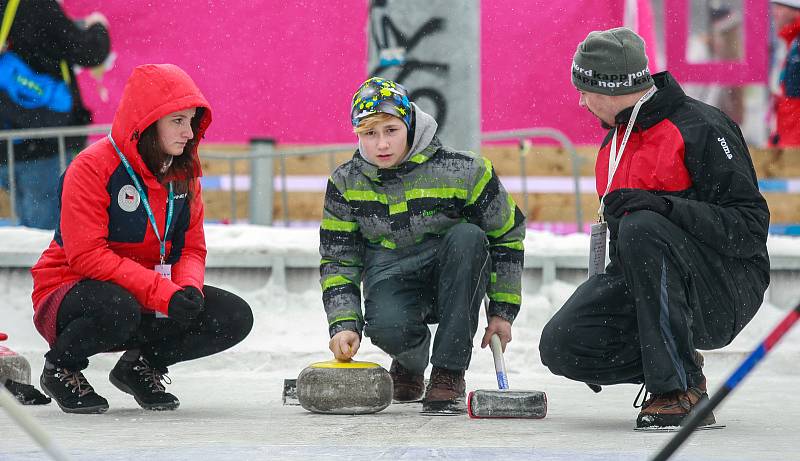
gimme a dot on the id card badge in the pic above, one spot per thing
(597, 248)
(166, 271)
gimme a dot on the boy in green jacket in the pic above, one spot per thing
(428, 230)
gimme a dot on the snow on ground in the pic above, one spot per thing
(231, 403)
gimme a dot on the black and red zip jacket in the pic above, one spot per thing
(693, 155)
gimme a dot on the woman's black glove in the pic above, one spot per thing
(185, 305)
(622, 201)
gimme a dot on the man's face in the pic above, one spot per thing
(386, 144)
(784, 15)
(602, 106)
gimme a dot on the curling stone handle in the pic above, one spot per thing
(499, 363)
(3, 336)
(497, 353)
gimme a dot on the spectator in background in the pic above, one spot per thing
(786, 87)
(50, 43)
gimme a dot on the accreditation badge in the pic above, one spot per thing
(166, 271)
(597, 248)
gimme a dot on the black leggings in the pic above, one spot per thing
(97, 317)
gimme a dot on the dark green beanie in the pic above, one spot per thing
(611, 62)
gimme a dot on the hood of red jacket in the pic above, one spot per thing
(151, 92)
(790, 31)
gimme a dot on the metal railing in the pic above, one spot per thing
(523, 137)
(263, 153)
(262, 176)
(60, 133)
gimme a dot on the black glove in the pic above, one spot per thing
(622, 201)
(194, 294)
(184, 308)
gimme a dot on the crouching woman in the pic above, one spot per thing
(125, 269)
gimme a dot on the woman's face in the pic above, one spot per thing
(386, 144)
(175, 130)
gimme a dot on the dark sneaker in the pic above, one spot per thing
(144, 383)
(71, 391)
(408, 386)
(446, 392)
(672, 409)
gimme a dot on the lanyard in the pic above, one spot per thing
(615, 156)
(146, 203)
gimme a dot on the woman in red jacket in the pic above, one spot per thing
(126, 265)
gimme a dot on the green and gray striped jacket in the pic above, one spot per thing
(432, 190)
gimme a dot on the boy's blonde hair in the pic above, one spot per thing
(369, 123)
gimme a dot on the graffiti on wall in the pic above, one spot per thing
(397, 60)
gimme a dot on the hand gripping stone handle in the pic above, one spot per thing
(497, 354)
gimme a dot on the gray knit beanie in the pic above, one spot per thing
(611, 62)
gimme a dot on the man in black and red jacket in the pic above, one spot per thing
(688, 231)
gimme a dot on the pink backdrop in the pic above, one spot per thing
(526, 56)
(287, 69)
(283, 69)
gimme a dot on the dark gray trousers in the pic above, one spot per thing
(441, 280)
(664, 295)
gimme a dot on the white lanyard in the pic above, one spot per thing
(615, 156)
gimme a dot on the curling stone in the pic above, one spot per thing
(344, 388)
(12, 365)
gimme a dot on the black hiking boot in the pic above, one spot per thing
(446, 392)
(408, 386)
(144, 383)
(71, 391)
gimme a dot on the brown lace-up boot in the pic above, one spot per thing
(446, 392)
(408, 386)
(672, 408)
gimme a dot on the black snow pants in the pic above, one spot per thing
(441, 280)
(663, 295)
(97, 317)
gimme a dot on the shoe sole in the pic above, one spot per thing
(409, 398)
(147, 406)
(95, 410)
(669, 421)
(445, 407)
(676, 429)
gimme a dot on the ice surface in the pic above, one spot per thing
(231, 403)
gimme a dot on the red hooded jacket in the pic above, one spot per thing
(104, 232)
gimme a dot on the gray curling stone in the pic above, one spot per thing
(13, 366)
(344, 388)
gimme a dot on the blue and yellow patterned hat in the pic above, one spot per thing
(381, 95)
